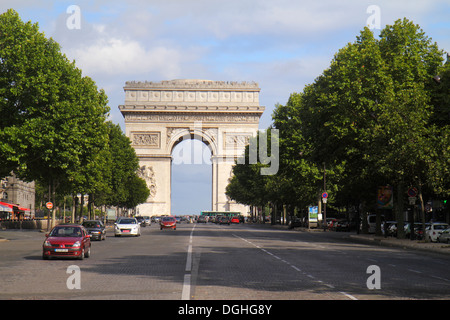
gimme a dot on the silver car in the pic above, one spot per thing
(433, 230)
(444, 236)
(127, 226)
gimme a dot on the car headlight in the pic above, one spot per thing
(47, 243)
(76, 244)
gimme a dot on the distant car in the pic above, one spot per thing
(96, 229)
(295, 223)
(127, 226)
(67, 240)
(224, 220)
(147, 221)
(444, 236)
(342, 225)
(433, 230)
(168, 223)
(235, 220)
(141, 220)
(202, 219)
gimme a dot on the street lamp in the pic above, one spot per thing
(324, 199)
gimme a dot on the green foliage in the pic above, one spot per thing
(374, 117)
(52, 127)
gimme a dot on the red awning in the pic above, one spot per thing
(13, 205)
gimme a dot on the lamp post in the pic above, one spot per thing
(324, 198)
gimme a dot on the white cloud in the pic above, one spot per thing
(113, 56)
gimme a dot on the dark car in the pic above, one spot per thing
(295, 223)
(141, 221)
(224, 220)
(342, 225)
(67, 240)
(202, 219)
(96, 229)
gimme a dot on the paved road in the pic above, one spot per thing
(206, 261)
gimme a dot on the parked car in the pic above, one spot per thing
(331, 222)
(295, 223)
(168, 223)
(127, 226)
(342, 225)
(444, 236)
(418, 230)
(389, 227)
(67, 240)
(433, 230)
(372, 222)
(235, 220)
(96, 229)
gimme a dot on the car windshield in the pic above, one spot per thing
(168, 219)
(91, 224)
(440, 226)
(127, 221)
(66, 232)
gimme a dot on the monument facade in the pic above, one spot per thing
(159, 115)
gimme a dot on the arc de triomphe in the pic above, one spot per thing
(159, 115)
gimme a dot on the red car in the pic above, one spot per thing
(235, 220)
(67, 240)
(168, 223)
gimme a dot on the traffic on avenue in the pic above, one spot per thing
(214, 261)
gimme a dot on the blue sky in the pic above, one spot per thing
(280, 44)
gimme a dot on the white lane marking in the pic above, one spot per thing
(297, 269)
(186, 291)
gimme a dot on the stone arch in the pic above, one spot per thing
(159, 115)
(192, 134)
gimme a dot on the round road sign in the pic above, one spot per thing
(324, 195)
(412, 192)
(49, 205)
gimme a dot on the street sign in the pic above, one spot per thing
(49, 205)
(324, 195)
(412, 192)
(412, 200)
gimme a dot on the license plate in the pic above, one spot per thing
(61, 250)
(125, 230)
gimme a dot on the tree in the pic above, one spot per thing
(52, 125)
(369, 119)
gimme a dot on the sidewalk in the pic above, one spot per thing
(382, 241)
(402, 243)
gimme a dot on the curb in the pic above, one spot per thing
(438, 248)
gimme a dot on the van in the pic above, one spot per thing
(372, 222)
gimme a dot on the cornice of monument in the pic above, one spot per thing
(192, 84)
(219, 109)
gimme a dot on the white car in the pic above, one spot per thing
(433, 230)
(127, 226)
(444, 236)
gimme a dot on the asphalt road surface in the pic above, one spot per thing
(221, 262)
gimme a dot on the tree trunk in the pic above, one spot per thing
(400, 209)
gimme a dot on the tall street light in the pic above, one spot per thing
(324, 198)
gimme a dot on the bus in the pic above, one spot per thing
(213, 214)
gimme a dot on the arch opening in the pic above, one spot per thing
(191, 177)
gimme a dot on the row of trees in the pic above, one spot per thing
(378, 115)
(53, 124)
